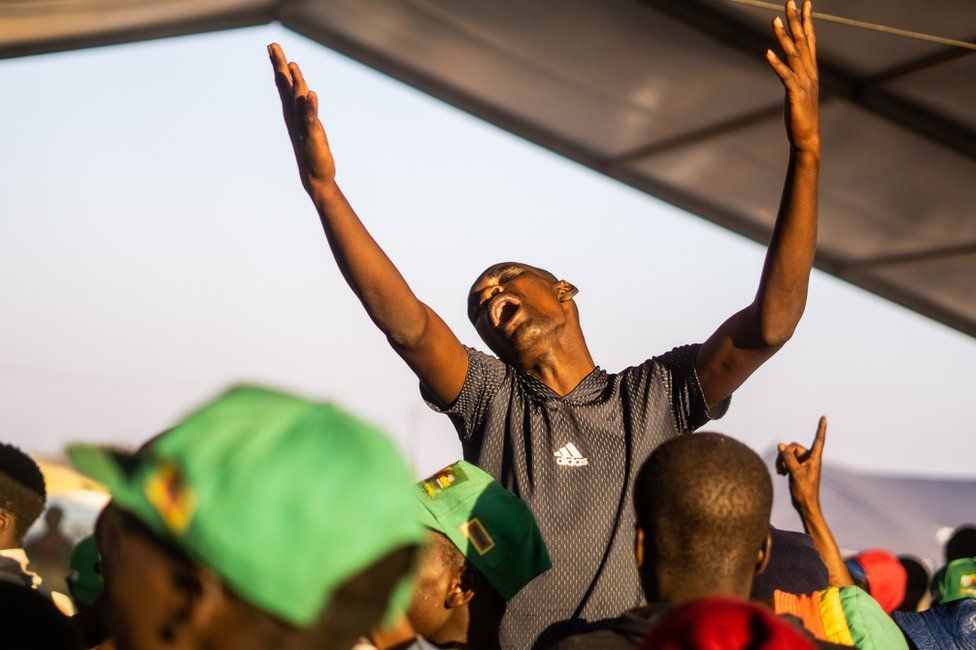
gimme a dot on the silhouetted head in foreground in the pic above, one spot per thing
(702, 504)
(261, 521)
(160, 598)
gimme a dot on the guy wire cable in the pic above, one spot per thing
(850, 22)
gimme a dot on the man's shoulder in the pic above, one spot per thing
(680, 356)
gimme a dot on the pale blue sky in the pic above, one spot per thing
(156, 245)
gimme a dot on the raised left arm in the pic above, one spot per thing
(750, 337)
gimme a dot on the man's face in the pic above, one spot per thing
(138, 578)
(429, 610)
(515, 308)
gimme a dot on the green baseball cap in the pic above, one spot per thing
(871, 628)
(84, 580)
(956, 580)
(283, 498)
(493, 528)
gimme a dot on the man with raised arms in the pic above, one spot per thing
(541, 417)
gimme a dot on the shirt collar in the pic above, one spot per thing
(591, 387)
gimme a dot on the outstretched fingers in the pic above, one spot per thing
(788, 459)
(284, 83)
(782, 70)
(797, 42)
(786, 42)
(793, 18)
(818, 440)
(808, 32)
(311, 107)
(300, 89)
(281, 71)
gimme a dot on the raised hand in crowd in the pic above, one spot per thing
(803, 467)
(751, 336)
(799, 75)
(414, 331)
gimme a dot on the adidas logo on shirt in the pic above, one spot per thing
(570, 456)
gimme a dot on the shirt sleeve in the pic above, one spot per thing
(484, 377)
(669, 381)
(688, 406)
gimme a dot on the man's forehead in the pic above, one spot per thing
(495, 270)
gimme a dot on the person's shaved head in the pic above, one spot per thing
(702, 503)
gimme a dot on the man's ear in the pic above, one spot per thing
(765, 550)
(565, 291)
(7, 523)
(639, 547)
(196, 599)
(461, 588)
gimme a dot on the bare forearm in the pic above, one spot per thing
(387, 297)
(816, 526)
(782, 291)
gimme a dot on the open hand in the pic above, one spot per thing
(300, 107)
(803, 467)
(799, 76)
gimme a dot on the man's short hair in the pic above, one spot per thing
(961, 544)
(703, 502)
(451, 557)
(916, 582)
(22, 490)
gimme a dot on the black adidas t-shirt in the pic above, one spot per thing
(572, 459)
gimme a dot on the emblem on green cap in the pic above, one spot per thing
(451, 475)
(171, 497)
(478, 536)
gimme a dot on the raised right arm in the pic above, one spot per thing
(417, 334)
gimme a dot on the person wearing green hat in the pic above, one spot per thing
(483, 546)
(262, 520)
(957, 579)
(84, 580)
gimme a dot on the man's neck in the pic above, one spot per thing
(561, 366)
(686, 590)
(454, 632)
(399, 635)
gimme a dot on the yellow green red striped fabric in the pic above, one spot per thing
(832, 614)
(845, 616)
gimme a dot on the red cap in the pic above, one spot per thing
(886, 577)
(723, 624)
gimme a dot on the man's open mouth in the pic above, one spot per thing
(503, 310)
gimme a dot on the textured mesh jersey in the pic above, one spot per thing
(572, 459)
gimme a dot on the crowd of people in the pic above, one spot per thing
(583, 513)
(264, 520)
